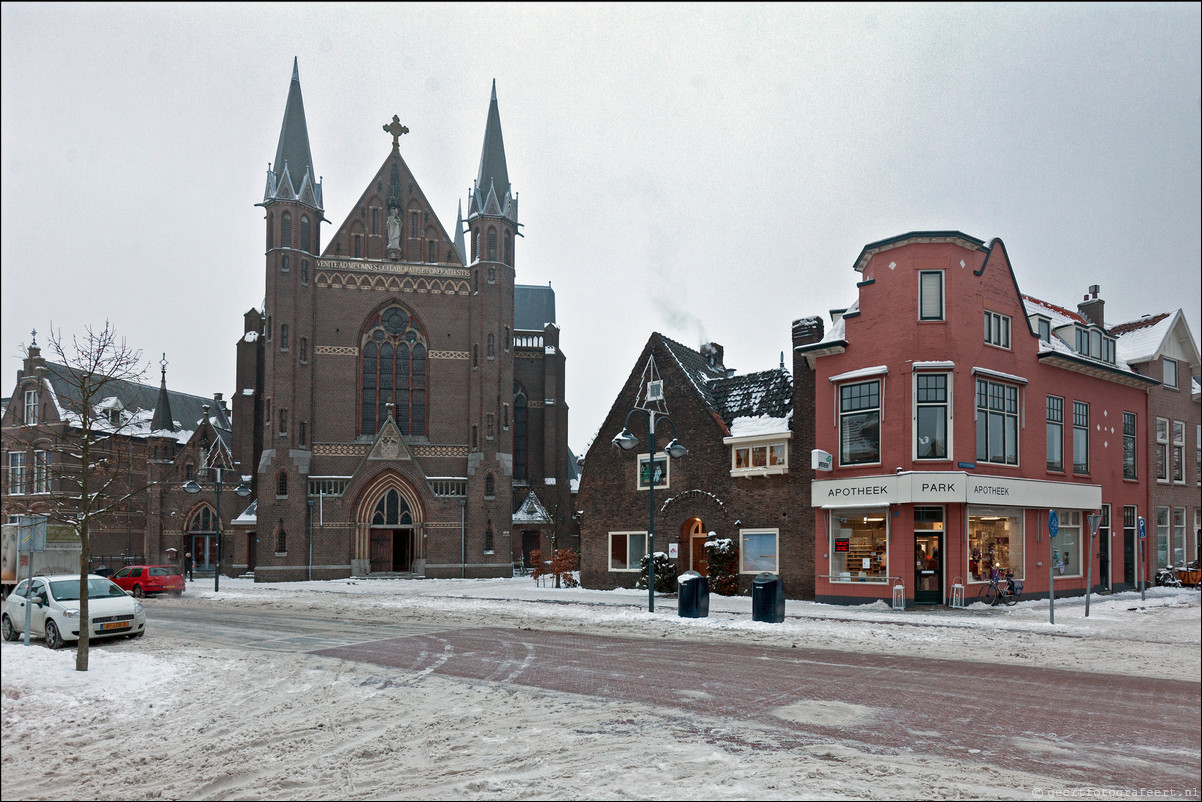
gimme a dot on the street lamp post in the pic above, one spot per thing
(193, 487)
(627, 441)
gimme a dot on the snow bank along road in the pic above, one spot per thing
(505, 698)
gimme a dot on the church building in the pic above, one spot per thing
(399, 394)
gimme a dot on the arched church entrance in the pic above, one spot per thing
(389, 527)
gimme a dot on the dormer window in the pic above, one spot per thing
(760, 457)
(1045, 330)
(1095, 344)
(1170, 373)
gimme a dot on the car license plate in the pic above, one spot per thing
(114, 625)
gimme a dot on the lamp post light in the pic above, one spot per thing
(627, 441)
(193, 487)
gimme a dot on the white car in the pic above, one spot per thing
(53, 606)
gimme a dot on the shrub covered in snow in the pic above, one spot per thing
(723, 560)
(665, 574)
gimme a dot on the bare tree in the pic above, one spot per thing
(96, 473)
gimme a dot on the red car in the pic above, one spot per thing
(142, 579)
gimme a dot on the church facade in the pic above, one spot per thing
(400, 395)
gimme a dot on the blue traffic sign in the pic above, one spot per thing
(1143, 528)
(1053, 523)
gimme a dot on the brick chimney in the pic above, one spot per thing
(1091, 307)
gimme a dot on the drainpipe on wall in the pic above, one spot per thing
(463, 539)
(309, 508)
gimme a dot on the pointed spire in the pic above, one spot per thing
(460, 245)
(293, 147)
(493, 171)
(162, 410)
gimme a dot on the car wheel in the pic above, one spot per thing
(138, 634)
(10, 632)
(138, 592)
(53, 639)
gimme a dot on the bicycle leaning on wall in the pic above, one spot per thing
(1001, 589)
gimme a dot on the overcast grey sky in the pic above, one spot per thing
(707, 171)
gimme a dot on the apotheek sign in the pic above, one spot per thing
(952, 487)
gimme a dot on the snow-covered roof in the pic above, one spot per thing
(532, 511)
(758, 425)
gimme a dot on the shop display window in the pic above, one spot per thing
(859, 546)
(995, 539)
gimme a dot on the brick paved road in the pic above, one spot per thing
(1092, 730)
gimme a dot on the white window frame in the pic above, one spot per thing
(947, 415)
(1170, 367)
(978, 410)
(997, 329)
(880, 417)
(638, 472)
(609, 552)
(924, 288)
(743, 567)
(41, 471)
(1071, 520)
(1177, 452)
(1178, 543)
(1162, 450)
(1163, 516)
(31, 408)
(852, 575)
(776, 444)
(16, 473)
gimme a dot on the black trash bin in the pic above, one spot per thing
(767, 598)
(692, 595)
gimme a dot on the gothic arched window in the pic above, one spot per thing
(490, 485)
(286, 230)
(492, 245)
(304, 243)
(508, 248)
(394, 370)
(203, 520)
(392, 510)
(519, 432)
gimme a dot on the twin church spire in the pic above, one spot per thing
(291, 176)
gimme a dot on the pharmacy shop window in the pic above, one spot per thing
(859, 545)
(995, 540)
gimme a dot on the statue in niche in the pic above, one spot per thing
(394, 229)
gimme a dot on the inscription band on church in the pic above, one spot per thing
(401, 268)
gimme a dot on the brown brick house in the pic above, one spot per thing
(155, 440)
(399, 393)
(746, 476)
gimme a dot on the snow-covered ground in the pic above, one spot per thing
(169, 717)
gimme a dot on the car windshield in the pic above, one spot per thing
(68, 589)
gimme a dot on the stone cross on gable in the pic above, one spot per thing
(396, 129)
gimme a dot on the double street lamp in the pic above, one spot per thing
(627, 441)
(193, 487)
